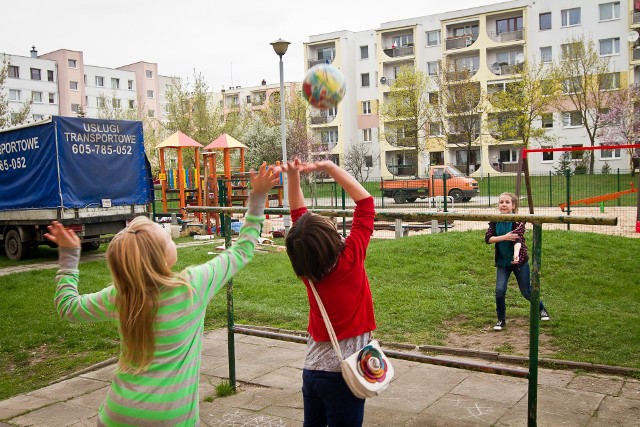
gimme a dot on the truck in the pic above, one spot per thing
(460, 188)
(91, 175)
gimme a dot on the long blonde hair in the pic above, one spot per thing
(136, 258)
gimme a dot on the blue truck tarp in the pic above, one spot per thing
(73, 162)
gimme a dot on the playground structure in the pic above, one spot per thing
(598, 199)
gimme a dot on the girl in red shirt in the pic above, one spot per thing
(335, 265)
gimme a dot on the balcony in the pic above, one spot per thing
(463, 74)
(396, 52)
(506, 69)
(507, 36)
(460, 42)
(313, 62)
(322, 147)
(635, 17)
(403, 170)
(460, 138)
(322, 119)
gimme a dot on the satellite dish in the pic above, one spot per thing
(383, 80)
(495, 65)
(519, 58)
(632, 36)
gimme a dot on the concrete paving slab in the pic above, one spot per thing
(631, 390)
(597, 383)
(617, 412)
(17, 405)
(59, 414)
(493, 388)
(457, 410)
(70, 388)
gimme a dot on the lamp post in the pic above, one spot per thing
(280, 47)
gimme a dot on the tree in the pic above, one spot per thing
(587, 85)
(460, 105)
(621, 123)
(299, 143)
(518, 108)
(264, 142)
(406, 112)
(8, 117)
(358, 160)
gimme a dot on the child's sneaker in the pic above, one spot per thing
(501, 324)
(544, 315)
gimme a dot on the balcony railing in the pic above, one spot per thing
(635, 17)
(403, 170)
(460, 42)
(321, 120)
(459, 138)
(507, 69)
(507, 36)
(313, 62)
(257, 102)
(463, 74)
(395, 52)
(322, 147)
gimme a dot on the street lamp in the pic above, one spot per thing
(280, 47)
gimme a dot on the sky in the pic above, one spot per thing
(228, 42)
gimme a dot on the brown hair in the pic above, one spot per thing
(137, 260)
(514, 200)
(313, 245)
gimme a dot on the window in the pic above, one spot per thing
(546, 54)
(364, 79)
(435, 129)
(404, 40)
(130, 84)
(36, 74)
(50, 75)
(72, 64)
(433, 38)
(75, 108)
(432, 98)
(86, 101)
(52, 98)
(571, 50)
(572, 85)
(149, 74)
(432, 68)
(545, 21)
(115, 83)
(14, 95)
(368, 161)
(366, 135)
(570, 17)
(73, 85)
(85, 79)
(333, 111)
(132, 104)
(609, 81)
(326, 54)
(99, 81)
(508, 25)
(38, 117)
(609, 46)
(151, 113)
(115, 102)
(150, 94)
(508, 58)
(101, 102)
(366, 107)
(577, 154)
(547, 87)
(328, 136)
(14, 71)
(609, 11)
(364, 52)
(547, 156)
(37, 97)
(467, 30)
(571, 119)
(610, 154)
(547, 120)
(508, 156)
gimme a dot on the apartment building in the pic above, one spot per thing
(251, 98)
(60, 83)
(491, 42)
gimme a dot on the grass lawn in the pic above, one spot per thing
(419, 284)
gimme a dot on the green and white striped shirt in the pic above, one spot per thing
(166, 394)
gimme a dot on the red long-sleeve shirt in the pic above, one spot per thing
(345, 290)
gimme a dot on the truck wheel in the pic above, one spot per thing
(14, 247)
(456, 195)
(412, 199)
(399, 197)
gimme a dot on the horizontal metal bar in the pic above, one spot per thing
(428, 216)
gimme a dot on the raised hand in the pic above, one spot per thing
(63, 237)
(265, 179)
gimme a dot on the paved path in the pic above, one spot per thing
(269, 378)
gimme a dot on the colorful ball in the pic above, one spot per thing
(323, 86)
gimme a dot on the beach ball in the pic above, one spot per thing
(323, 86)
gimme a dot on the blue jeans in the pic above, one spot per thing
(328, 401)
(523, 277)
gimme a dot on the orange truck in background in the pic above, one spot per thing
(460, 187)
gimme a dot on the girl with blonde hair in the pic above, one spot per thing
(160, 314)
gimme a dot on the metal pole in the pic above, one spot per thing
(231, 348)
(568, 175)
(286, 219)
(534, 325)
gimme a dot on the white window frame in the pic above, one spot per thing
(568, 119)
(364, 76)
(38, 116)
(38, 71)
(612, 43)
(14, 95)
(13, 72)
(568, 17)
(366, 108)
(73, 85)
(546, 54)
(548, 154)
(116, 103)
(150, 94)
(542, 120)
(72, 63)
(148, 74)
(36, 97)
(366, 135)
(614, 81)
(99, 81)
(540, 21)
(438, 38)
(115, 83)
(432, 66)
(132, 104)
(100, 102)
(613, 8)
(512, 153)
(52, 98)
(130, 84)
(364, 52)
(75, 108)
(151, 113)
(435, 129)
(610, 154)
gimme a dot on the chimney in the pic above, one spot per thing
(34, 52)
(264, 82)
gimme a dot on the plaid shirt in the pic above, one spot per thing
(516, 227)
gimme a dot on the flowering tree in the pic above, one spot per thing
(621, 122)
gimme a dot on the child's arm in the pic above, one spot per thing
(215, 273)
(295, 195)
(516, 252)
(342, 177)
